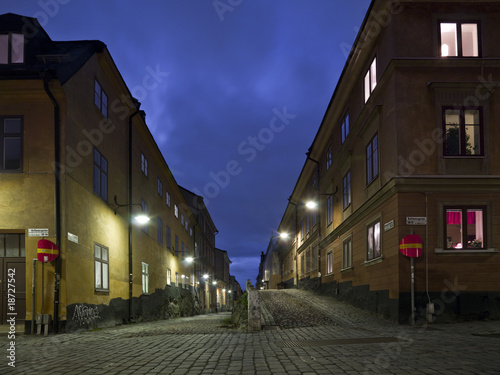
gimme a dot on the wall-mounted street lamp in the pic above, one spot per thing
(139, 219)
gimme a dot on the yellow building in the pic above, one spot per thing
(78, 164)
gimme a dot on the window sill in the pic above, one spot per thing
(348, 268)
(463, 157)
(330, 274)
(373, 261)
(103, 292)
(467, 251)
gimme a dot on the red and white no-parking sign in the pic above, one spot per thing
(47, 251)
(411, 246)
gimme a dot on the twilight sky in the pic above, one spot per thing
(238, 93)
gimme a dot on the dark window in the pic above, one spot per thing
(11, 144)
(465, 228)
(372, 159)
(347, 253)
(12, 245)
(344, 128)
(463, 132)
(100, 99)
(347, 189)
(144, 164)
(100, 175)
(169, 238)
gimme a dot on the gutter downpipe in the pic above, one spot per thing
(130, 264)
(57, 194)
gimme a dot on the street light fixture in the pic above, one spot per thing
(139, 219)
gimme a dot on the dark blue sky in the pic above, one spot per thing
(238, 91)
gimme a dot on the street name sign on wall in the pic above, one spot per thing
(38, 232)
(411, 246)
(416, 220)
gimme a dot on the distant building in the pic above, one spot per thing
(222, 278)
(408, 144)
(78, 163)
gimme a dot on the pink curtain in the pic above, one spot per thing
(455, 217)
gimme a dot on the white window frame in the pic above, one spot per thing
(169, 277)
(101, 267)
(347, 253)
(145, 278)
(329, 263)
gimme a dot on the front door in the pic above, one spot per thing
(12, 278)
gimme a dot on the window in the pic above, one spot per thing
(465, 228)
(160, 231)
(101, 262)
(12, 48)
(182, 249)
(144, 164)
(370, 79)
(12, 245)
(347, 253)
(145, 278)
(344, 128)
(177, 279)
(347, 189)
(373, 241)
(328, 157)
(463, 132)
(372, 159)
(160, 187)
(167, 198)
(11, 144)
(302, 229)
(314, 258)
(100, 99)
(183, 277)
(169, 277)
(302, 265)
(176, 211)
(308, 260)
(176, 245)
(329, 210)
(169, 238)
(182, 219)
(329, 262)
(459, 39)
(100, 175)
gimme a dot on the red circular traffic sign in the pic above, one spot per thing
(411, 246)
(47, 251)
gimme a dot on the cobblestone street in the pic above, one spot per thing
(302, 334)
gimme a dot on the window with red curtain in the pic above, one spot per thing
(465, 234)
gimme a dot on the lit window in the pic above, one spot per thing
(329, 262)
(177, 279)
(12, 48)
(101, 261)
(462, 132)
(329, 210)
(169, 277)
(145, 278)
(372, 159)
(347, 189)
(144, 164)
(465, 228)
(100, 99)
(370, 79)
(11, 144)
(344, 128)
(373, 241)
(347, 253)
(176, 211)
(459, 39)
(100, 175)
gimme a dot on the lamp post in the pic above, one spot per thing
(140, 219)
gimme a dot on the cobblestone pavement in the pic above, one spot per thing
(327, 337)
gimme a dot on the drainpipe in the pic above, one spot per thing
(130, 264)
(46, 77)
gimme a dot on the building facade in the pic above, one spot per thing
(407, 146)
(78, 165)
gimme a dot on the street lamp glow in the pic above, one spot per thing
(311, 204)
(214, 282)
(141, 219)
(206, 276)
(284, 235)
(189, 259)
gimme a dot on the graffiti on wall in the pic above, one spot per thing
(85, 314)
